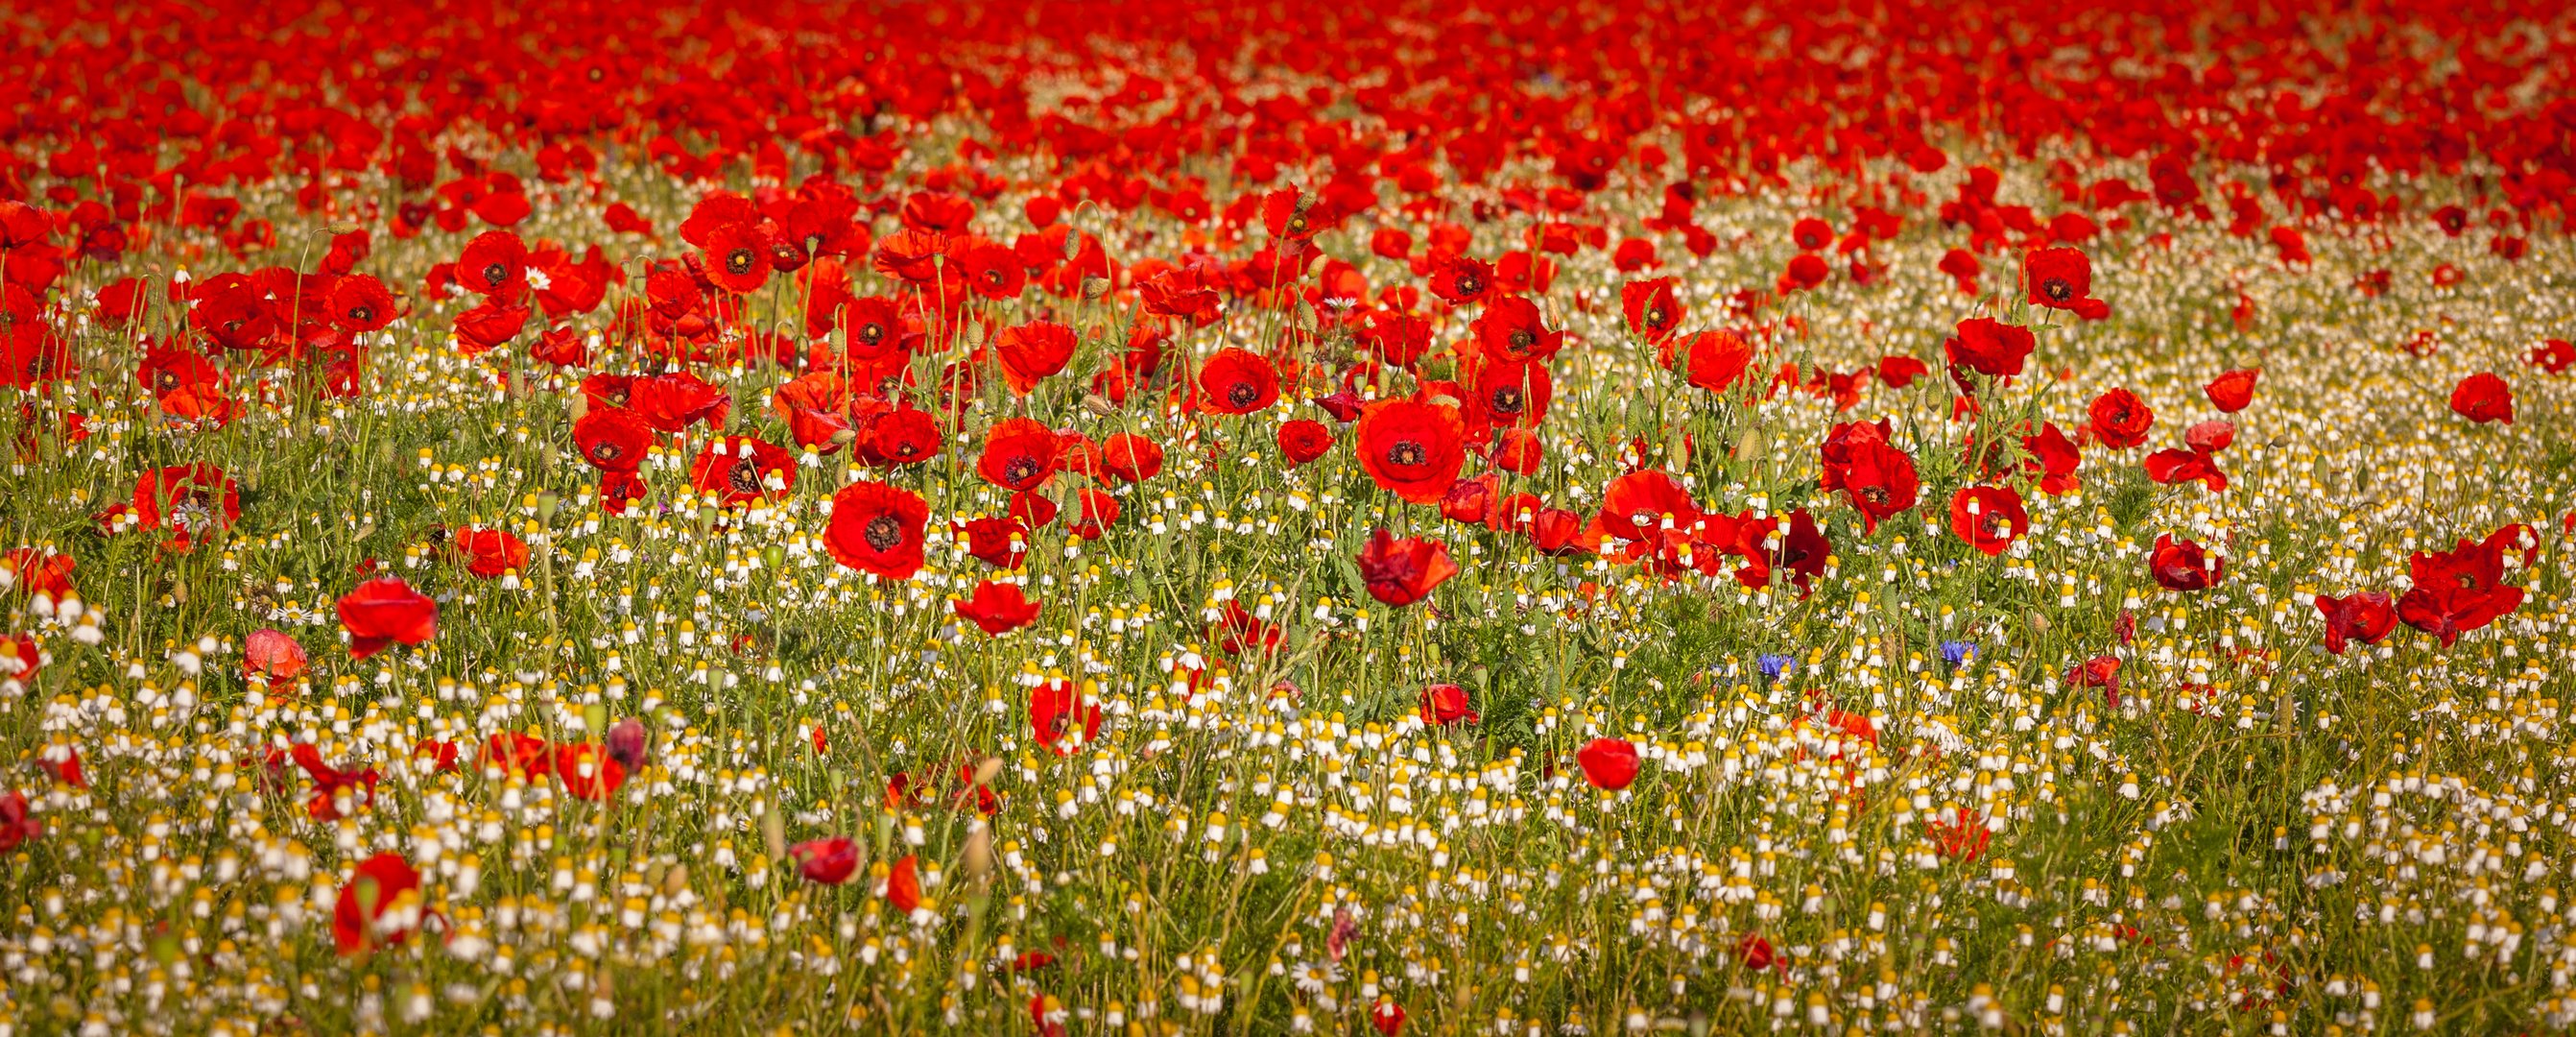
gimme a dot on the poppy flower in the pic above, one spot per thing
(1989, 518)
(1459, 280)
(905, 435)
(1716, 359)
(737, 258)
(2232, 391)
(1754, 952)
(2120, 419)
(738, 470)
(2183, 565)
(2101, 671)
(330, 781)
(589, 771)
(16, 827)
(999, 542)
(1640, 505)
(1962, 836)
(385, 611)
(872, 328)
(1512, 329)
(1386, 1017)
(876, 528)
(517, 755)
(1031, 352)
(903, 885)
(674, 401)
(1402, 571)
(2180, 466)
(2058, 278)
(1900, 371)
(1064, 719)
(1610, 764)
(1446, 704)
(495, 263)
(1511, 393)
(1880, 481)
(1019, 454)
(612, 439)
(1303, 440)
(2483, 398)
(2053, 458)
(1990, 347)
(829, 862)
(1412, 449)
(2555, 356)
(359, 303)
(998, 608)
(189, 500)
(1098, 511)
(378, 906)
(2365, 616)
(1654, 312)
(2457, 591)
(1237, 381)
(489, 553)
(272, 654)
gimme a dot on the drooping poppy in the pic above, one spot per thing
(1401, 571)
(2171, 467)
(828, 862)
(2053, 458)
(273, 655)
(2232, 391)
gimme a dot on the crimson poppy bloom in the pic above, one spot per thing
(378, 906)
(1237, 381)
(1413, 450)
(273, 655)
(998, 608)
(1990, 347)
(359, 303)
(1880, 481)
(1754, 951)
(16, 827)
(2059, 278)
(876, 528)
(1962, 836)
(2053, 458)
(903, 885)
(1512, 329)
(1446, 704)
(1304, 440)
(191, 501)
(1064, 718)
(1989, 518)
(999, 542)
(612, 439)
(739, 471)
(589, 771)
(828, 862)
(495, 263)
(489, 553)
(737, 258)
(330, 781)
(1031, 352)
(2482, 398)
(2457, 591)
(1716, 360)
(1459, 280)
(1019, 454)
(1640, 505)
(512, 754)
(2120, 419)
(385, 611)
(2555, 355)
(2101, 671)
(1900, 371)
(1654, 312)
(2366, 617)
(1128, 457)
(1610, 764)
(2180, 466)
(872, 328)
(2232, 391)
(1402, 571)
(1511, 393)
(2183, 565)
(1386, 1016)
(905, 435)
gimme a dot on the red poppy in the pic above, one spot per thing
(1459, 280)
(1609, 764)
(1654, 312)
(1989, 347)
(191, 501)
(589, 771)
(829, 862)
(876, 528)
(1880, 481)
(1446, 704)
(1031, 352)
(2120, 419)
(612, 439)
(16, 827)
(1019, 454)
(1386, 1016)
(385, 611)
(1303, 440)
(905, 435)
(330, 781)
(872, 328)
(1754, 951)
(2365, 617)
(1989, 518)
(1962, 836)
(2555, 356)
(999, 542)
(1237, 381)
(1519, 451)
(1900, 371)
(1716, 359)
(2457, 591)
(2059, 278)
(378, 906)
(1402, 571)
(740, 469)
(737, 258)
(1512, 329)
(2101, 671)
(2054, 458)
(1098, 512)
(1641, 505)
(489, 553)
(359, 303)
(2232, 391)
(1128, 457)
(903, 885)
(495, 263)
(672, 402)
(1064, 718)
(2183, 565)
(1511, 393)
(998, 608)
(272, 654)
(517, 755)
(2482, 398)
(1412, 449)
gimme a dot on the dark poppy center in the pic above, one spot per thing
(605, 452)
(1507, 400)
(1655, 317)
(2468, 581)
(496, 275)
(2057, 289)
(1521, 338)
(1407, 452)
(738, 262)
(165, 380)
(1874, 494)
(362, 314)
(1241, 394)
(1021, 469)
(744, 476)
(1470, 284)
(883, 533)
(871, 333)
(1995, 524)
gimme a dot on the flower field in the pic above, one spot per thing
(1193, 518)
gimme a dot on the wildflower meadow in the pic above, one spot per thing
(1171, 517)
